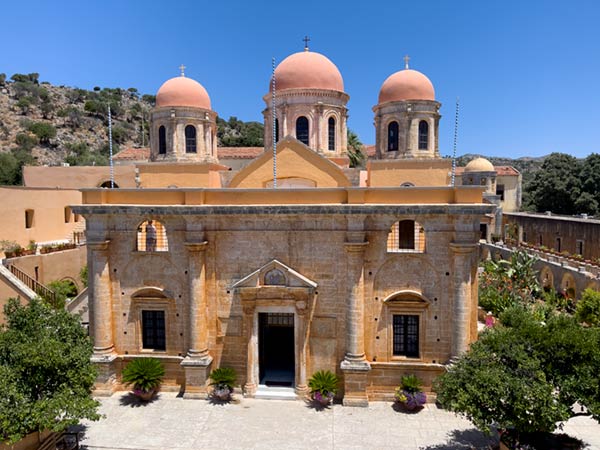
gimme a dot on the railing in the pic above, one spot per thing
(33, 284)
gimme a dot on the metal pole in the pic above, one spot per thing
(454, 147)
(274, 120)
(110, 149)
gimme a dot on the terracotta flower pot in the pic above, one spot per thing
(144, 395)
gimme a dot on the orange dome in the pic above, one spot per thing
(310, 70)
(406, 85)
(182, 91)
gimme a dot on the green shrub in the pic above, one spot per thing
(144, 374)
(410, 383)
(26, 141)
(44, 131)
(83, 275)
(324, 382)
(223, 377)
(588, 308)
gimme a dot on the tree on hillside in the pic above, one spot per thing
(237, 133)
(590, 184)
(46, 375)
(9, 169)
(355, 153)
(556, 186)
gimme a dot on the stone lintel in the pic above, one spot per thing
(98, 245)
(355, 247)
(463, 247)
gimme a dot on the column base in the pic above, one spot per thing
(196, 372)
(355, 382)
(249, 390)
(302, 390)
(106, 381)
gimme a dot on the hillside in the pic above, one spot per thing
(51, 125)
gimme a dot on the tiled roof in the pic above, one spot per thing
(133, 154)
(369, 150)
(239, 152)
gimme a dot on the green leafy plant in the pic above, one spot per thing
(144, 374)
(588, 308)
(223, 377)
(324, 382)
(46, 375)
(83, 275)
(409, 393)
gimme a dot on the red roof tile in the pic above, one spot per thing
(133, 154)
(239, 152)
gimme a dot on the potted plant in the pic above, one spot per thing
(145, 375)
(223, 382)
(409, 394)
(323, 386)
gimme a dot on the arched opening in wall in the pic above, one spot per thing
(406, 236)
(190, 139)
(152, 237)
(107, 185)
(407, 184)
(302, 131)
(274, 277)
(70, 288)
(331, 134)
(393, 138)
(423, 135)
(567, 286)
(546, 278)
(276, 130)
(162, 140)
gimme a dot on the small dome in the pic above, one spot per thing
(406, 84)
(479, 165)
(182, 91)
(307, 70)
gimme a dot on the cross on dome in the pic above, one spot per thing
(182, 68)
(306, 41)
(406, 60)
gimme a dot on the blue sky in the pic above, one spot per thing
(527, 72)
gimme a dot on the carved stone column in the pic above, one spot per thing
(461, 281)
(302, 350)
(100, 304)
(342, 147)
(317, 128)
(198, 361)
(252, 345)
(355, 366)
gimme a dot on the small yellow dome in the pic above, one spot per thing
(480, 165)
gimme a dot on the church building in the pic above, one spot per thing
(295, 262)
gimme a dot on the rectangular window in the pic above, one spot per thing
(540, 240)
(580, 247)
(153, 330)
(500, 191)
(29, 218)
(67, 214)
(406, 335)
(558, 242)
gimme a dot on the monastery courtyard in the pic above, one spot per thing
(170, 422)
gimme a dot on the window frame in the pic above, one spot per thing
(331, 134)
(153, 300)
(191, 143)
(29, 219)
(162, 140)
(423, 136)
(154, 311)
(406, 303)
(391, 140)
(393, 240)
(307, 143)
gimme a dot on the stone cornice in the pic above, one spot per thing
(196, 246)
(98, 245)
(463, 247)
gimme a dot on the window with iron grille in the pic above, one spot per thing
(280, 319)
(162, 140)
(152, 237)
(153, 330)
(406, 236)
(393, 136)
(276, 130)
(423, 135)
(190, 139)
(331, 135)
(406, 335)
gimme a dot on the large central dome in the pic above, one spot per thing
(308, 70)
(406, 85)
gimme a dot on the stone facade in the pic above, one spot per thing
(342, 285)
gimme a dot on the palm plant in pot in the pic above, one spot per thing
(409, 394)
(223, 382)
(145, 375)
(323, 386)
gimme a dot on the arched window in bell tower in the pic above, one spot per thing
(423, 135)
(276, 130)
(331, 135)
(393, 137)
(162, 140)
(190, 139)
(302, 129)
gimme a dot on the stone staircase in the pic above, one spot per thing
(28, 286)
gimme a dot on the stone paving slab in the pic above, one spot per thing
(170, 422)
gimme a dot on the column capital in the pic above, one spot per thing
(355, 247)
(98, 245)
(463, 247)
(196, 246)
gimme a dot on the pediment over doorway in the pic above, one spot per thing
(275, 274)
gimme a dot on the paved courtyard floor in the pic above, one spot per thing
(170, 422)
